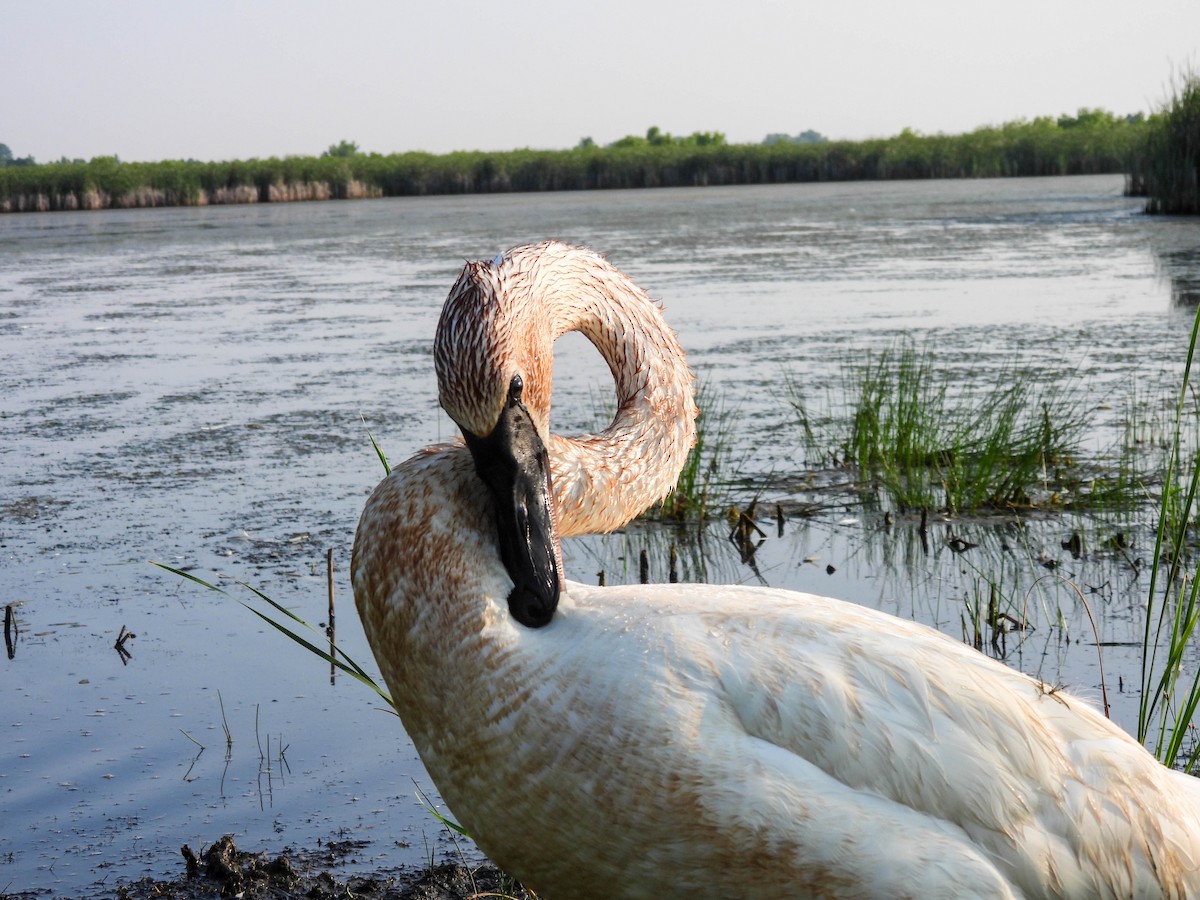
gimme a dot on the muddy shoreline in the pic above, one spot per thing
(147, 197)
(221, 869)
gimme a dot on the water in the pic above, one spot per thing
(186, 386)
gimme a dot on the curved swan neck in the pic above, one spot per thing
(502, 318)
(603, 481)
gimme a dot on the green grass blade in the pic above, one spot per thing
(350, 667)
(1179, 612)
(387, 469)
(452, 825)
(352, 671)
(355, 669)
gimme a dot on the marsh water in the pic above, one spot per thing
(190, 386)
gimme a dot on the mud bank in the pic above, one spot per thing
(148, 197)
(222, 870)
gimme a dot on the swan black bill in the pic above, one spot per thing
(513, 463)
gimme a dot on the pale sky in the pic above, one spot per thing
(164, 79)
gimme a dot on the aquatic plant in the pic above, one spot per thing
(704, 481)
(1169, 698)
(285, 626)
(924, 441)
(1121, 480)
(1168, 170)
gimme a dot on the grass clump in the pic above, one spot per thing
(919, 437)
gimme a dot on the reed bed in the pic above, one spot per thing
(107, 183)
(1091, 142)
(1167, 172)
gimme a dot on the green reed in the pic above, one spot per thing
(1121, 480)
(703, 483)
(1170, 697)
(925, 441)
(1169, 168)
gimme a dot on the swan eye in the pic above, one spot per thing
(515, 387)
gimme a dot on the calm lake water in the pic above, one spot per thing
(186, 385)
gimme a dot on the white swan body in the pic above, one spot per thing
(706, 741)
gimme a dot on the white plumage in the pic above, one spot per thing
(696, 740)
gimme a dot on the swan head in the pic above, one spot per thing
(489, 332)
(494, 383)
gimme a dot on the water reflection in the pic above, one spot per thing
(11, 631)
(1182, 268)
(1176, 247)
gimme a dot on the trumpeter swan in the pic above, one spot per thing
(699, 740)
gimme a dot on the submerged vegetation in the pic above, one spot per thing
(1091, 142)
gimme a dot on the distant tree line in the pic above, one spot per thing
(7, 158)
(804, 137)
(1093, 141)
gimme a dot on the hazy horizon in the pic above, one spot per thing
(224, 80)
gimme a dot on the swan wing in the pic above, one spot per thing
(842, 730)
